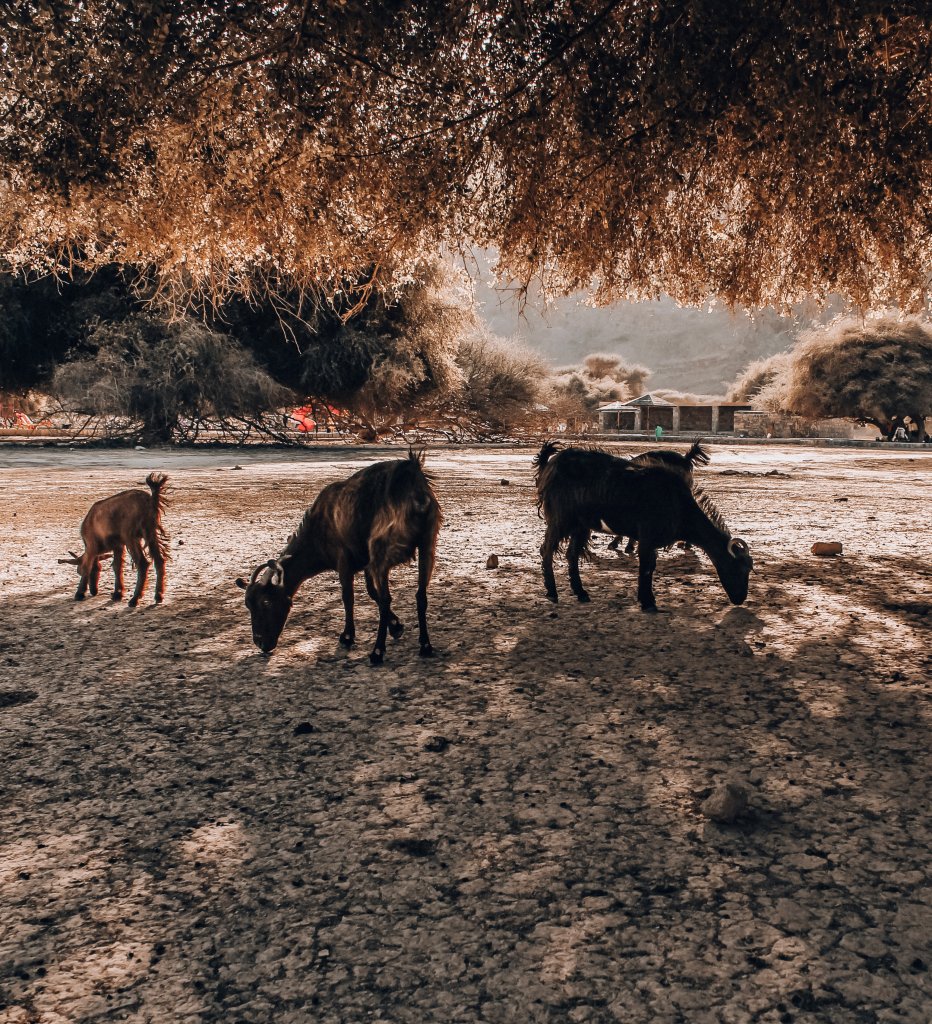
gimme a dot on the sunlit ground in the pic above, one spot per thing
(509, 832)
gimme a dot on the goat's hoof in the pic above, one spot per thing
(93, 592)
(583, 598)
(117, 595)
(79, 597)
(649, 609)
(396, 629)
(346, 640)
(553, 597)
(375, 657)
(427, 651)
(159, 599)
(133, 601)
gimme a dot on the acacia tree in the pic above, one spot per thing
(577, 391)
(876, 371)
(757, 151)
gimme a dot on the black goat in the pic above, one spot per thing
(682, 464)
(579, 491)
(372, 521)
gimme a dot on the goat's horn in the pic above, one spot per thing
(74, 560)
(255, 574)
(737, 544)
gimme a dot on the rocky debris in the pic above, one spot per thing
(727, 802)
(304, 729)
(827, 549)
(10, 698)
(491, 562)
(436, 744)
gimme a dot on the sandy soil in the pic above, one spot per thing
(509, 832)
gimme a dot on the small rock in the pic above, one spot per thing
(180, 543)
(840, 499)
(140, 448)
(827, 549)
(505, 483)
(303, 728)
(492, 562)
(237, 467)
(727, 802)
(436, 744)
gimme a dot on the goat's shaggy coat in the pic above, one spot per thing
(376, 519)
(582, 490)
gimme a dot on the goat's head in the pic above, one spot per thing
(268, 604)
(734, 570)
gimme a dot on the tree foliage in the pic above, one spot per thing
(757, 377)
(757, 151)
(577, 391)
(875, 371)
(163, 380)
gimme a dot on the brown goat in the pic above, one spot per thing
(125, 520)
(374, 520)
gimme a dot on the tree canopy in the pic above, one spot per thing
(875, 371)
(758, 152)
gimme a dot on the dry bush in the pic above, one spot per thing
(759, 152)
(675, 397)
(876, 371)
(163, 381)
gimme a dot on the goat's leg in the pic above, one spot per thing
(348, 636)
(118, 553)
(142, 570)
(158, 559)
(425, 567)
(93, 577)
(82, 587)
(614, 542)
(395, 626)
(647, 562)
(547, 548)
(631, 546)
(380, 582)
(574, 549)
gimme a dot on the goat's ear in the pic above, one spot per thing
(240, 582)
(69, 561)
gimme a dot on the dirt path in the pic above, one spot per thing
(507, 833)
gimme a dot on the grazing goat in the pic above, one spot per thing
(372, 521)
(682, 464)
(125, 520)
(580, 491)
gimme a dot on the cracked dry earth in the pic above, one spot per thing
(509, 832)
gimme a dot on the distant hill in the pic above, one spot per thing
(687, 349)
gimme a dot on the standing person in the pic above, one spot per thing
(658, 431)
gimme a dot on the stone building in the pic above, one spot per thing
(643, 415)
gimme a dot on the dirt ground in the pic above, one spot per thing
(509, 832)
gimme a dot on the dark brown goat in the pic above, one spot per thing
(376, 519)
(125, 520)
(580, 491)
(680, 463)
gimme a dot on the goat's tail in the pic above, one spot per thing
(697, 455)
(157, 482)
(546, 453)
